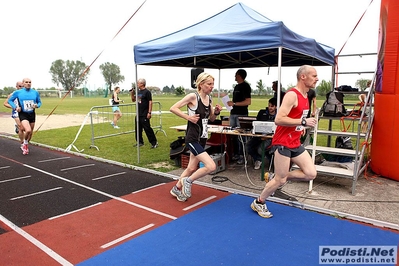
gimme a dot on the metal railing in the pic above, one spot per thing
(101, 119)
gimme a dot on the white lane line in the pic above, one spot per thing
(103, 193)
(13, 179)
(4, 167)
(77, 167)
(36, 193)
(35, 242)
(148, 188)
(106, 176)
(127, 236)
(199, 203)
(78, 210)
(54, 159)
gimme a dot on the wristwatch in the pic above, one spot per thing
(303, 122)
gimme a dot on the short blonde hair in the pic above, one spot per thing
(201, 78)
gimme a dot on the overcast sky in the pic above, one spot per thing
(36, 33)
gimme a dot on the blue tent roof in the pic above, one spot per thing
(237, 37)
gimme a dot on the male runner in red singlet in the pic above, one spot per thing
(291, 120)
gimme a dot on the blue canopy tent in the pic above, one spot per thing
(237, 37)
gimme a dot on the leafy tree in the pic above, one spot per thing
(361, 83)
(324, 88)
(69, 74)
(166, 89)
(180, 91)
(261, 87)
(112, 74)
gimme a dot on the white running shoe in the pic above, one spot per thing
(178, 194)
(186, 187)
(261, 209)
(257, 165)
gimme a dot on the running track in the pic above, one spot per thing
(59, 208)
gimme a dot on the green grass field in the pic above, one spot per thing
(120, 148)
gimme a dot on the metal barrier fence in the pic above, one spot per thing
(101, 118)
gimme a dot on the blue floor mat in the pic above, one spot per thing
(228, 232)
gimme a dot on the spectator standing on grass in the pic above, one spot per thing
(267, 114)
(240, 102)
(115, 107)
(144, 105)
(290, 120)
(199, 106)
(29, 100)
(14, 114)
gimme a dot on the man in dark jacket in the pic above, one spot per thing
(144, 104)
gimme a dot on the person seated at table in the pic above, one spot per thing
(255, 143)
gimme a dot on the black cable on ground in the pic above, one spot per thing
(220, 179)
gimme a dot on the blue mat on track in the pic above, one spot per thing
(228, 232)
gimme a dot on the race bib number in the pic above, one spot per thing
(204, 128)
(28, 105)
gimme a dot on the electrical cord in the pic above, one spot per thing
(299, 195)
(221, 179)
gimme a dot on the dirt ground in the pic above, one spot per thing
(44, 122)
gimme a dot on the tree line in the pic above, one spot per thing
(71, 74)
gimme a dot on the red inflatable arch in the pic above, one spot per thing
(385, 143)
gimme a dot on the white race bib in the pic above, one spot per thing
(204, 128)
(28, 105)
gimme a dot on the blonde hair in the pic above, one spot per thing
(202, 78)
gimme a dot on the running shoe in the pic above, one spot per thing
(25, 149)
(261, 209)
(178, 194)
(257, 165)
(116, 127)
(154, 146)
(186, 187)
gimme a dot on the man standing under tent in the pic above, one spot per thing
(240, 102)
